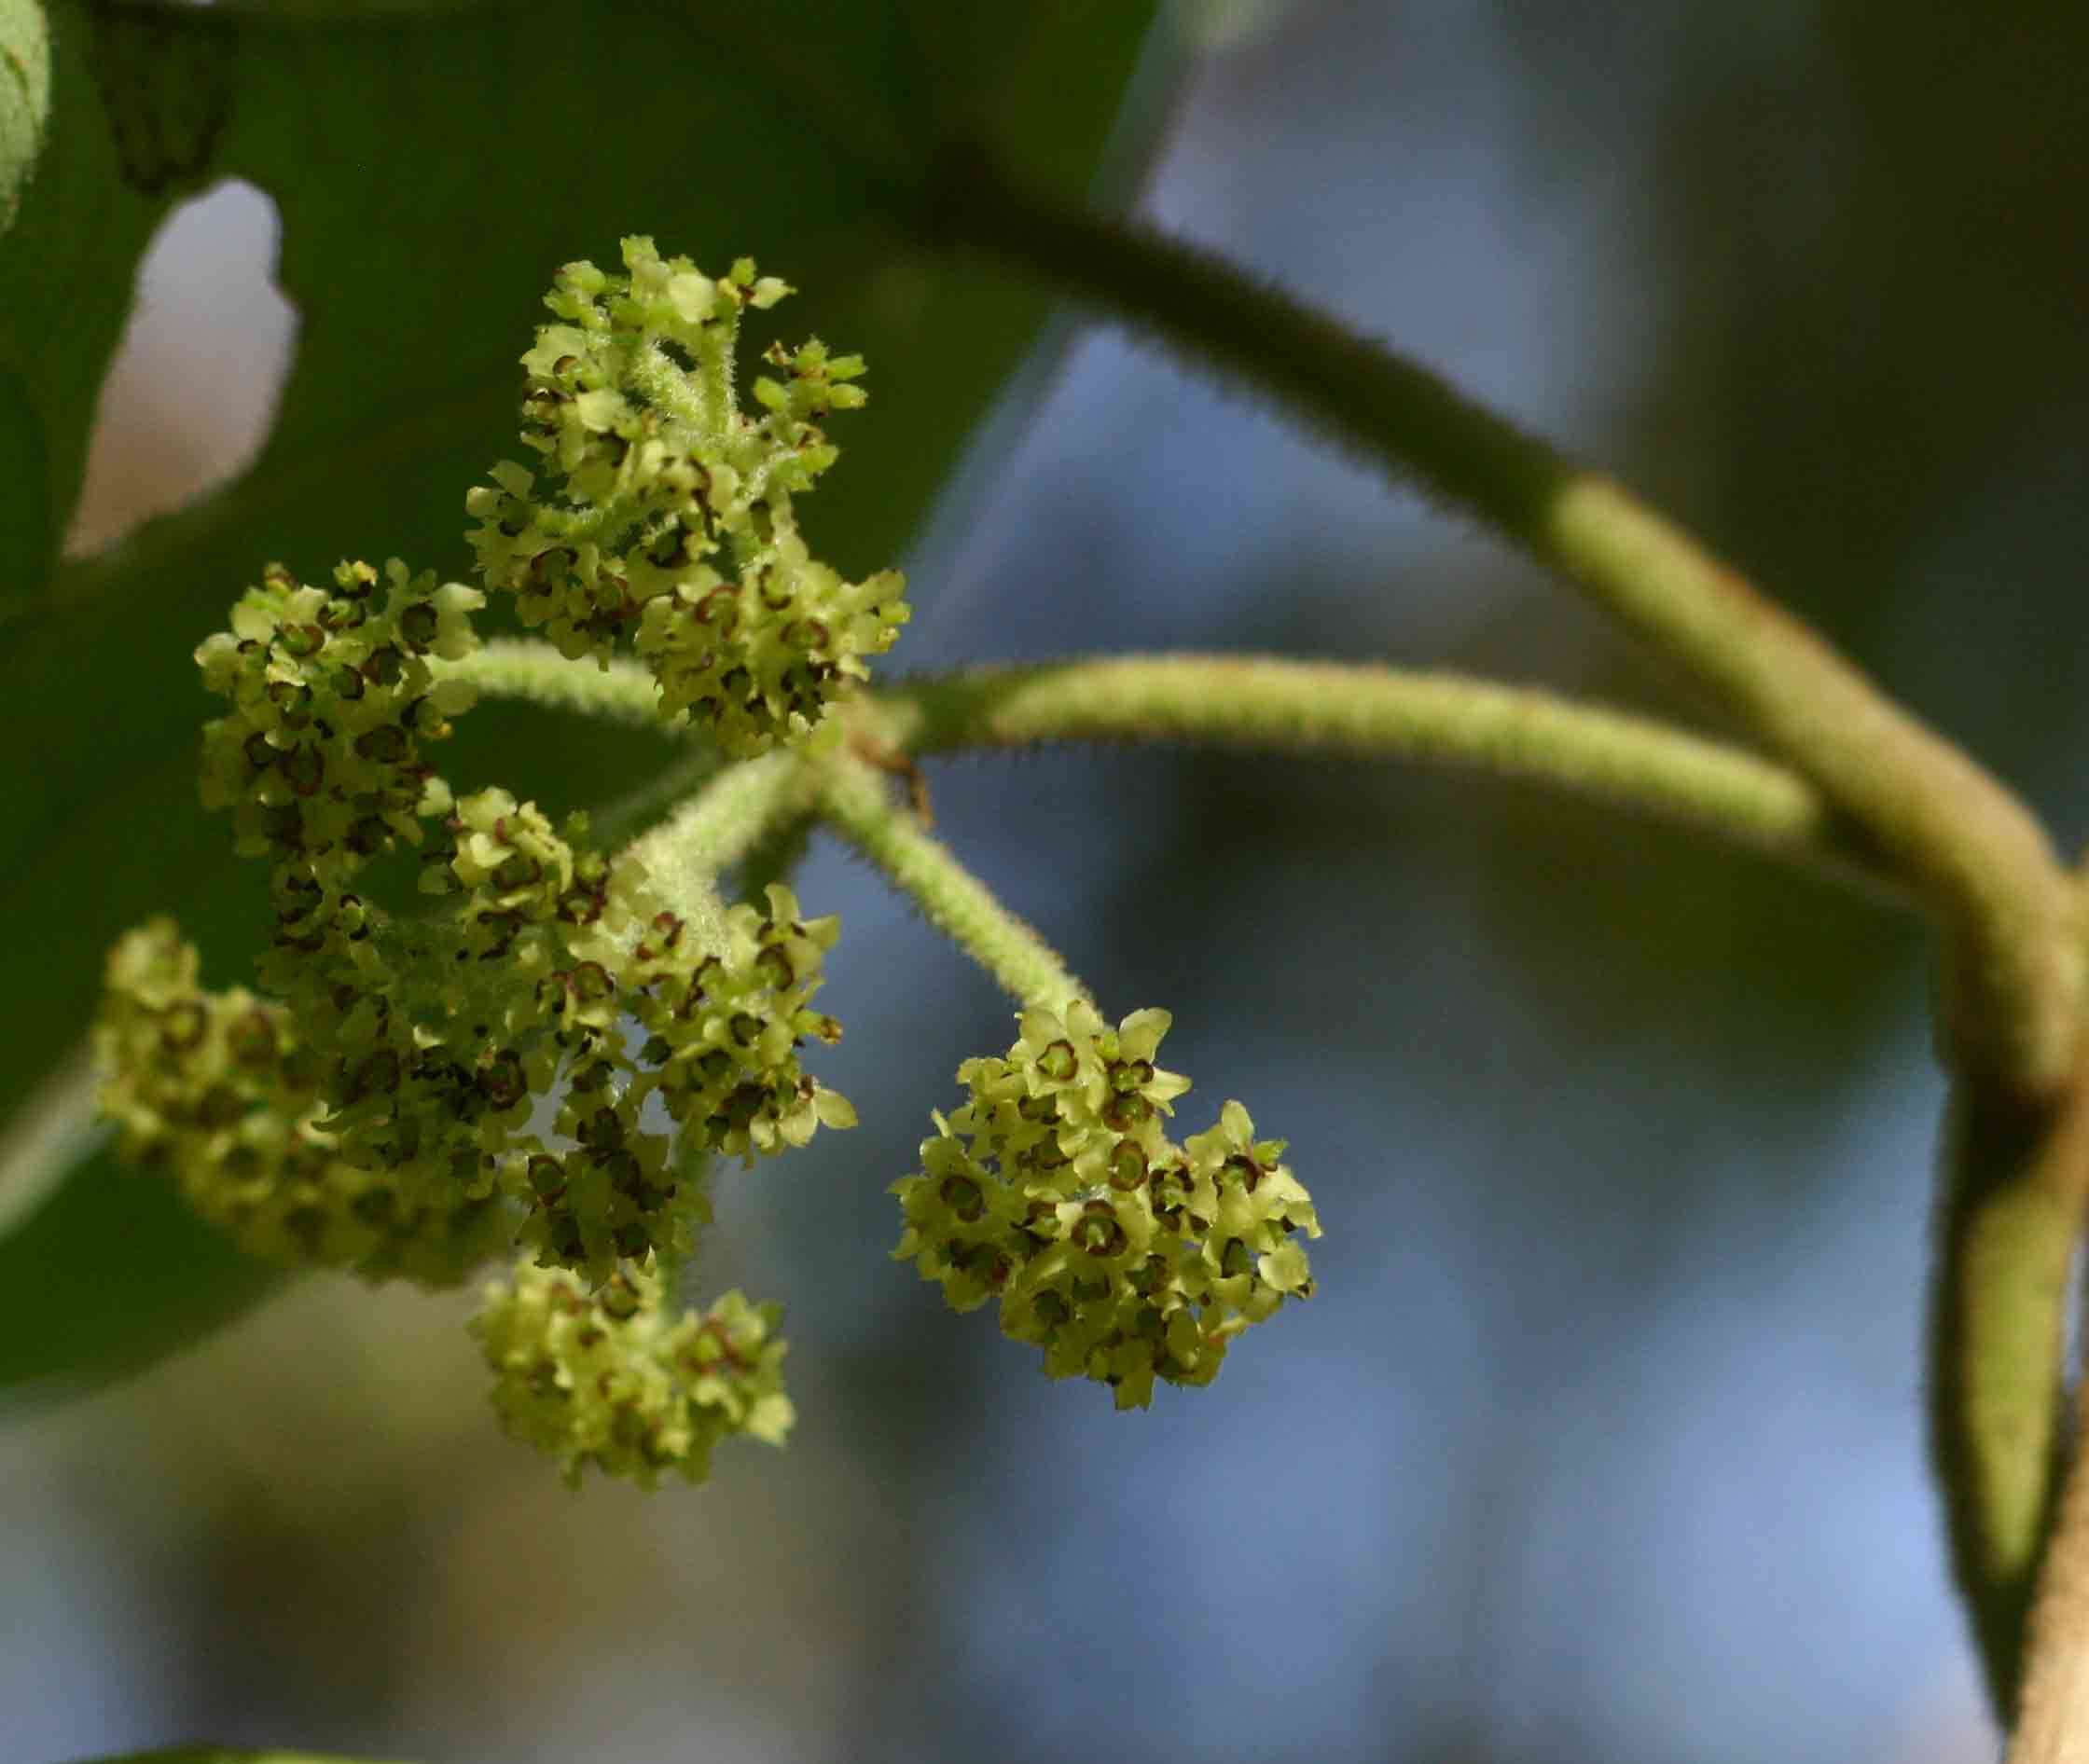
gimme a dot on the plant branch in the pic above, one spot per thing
(854, 799)
(1366, 712)
(716, 828)
(522, 667)
(2017, 1186)
(2015, 973)
(2052, 1725)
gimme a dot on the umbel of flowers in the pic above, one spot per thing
(477, 1035)
(662, 512)
(1054, 1189)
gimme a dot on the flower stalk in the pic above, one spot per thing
(854, 801)
(2016, 974)
(1365, 711)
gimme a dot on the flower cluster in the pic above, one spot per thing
(430, 1041)
(663, 513)
(218, 1091)
(608, 1378)
(1056, 1189)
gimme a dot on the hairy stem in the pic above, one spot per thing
(1369, 712)
(2016, 1185)
(854, 801)
(521, 668)
(1963, 840)
(716, 828)
(2053, 1723)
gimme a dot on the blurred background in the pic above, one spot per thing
(1604, 1436)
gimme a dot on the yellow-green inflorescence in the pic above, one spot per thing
(430, 1041)
(1056, 1189)
(660, 512)
(609, 1378)
(478, 1035)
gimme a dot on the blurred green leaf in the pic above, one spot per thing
(431, 170)
(111, 1271)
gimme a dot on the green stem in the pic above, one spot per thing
(854, 801)
(1367, 711)
(2015, 976)
(714, 829)
(2052, 1722)
(2017, 1186)
(521, 668)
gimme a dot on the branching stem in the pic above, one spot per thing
(1964, 841)
(2016, 1183)
(718, 826)
(521, 668)
(855, 802)
(1366, 712)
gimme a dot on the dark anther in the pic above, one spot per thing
(501, 1081)
(963, 1197)
(719, 608)
(1098, 1231)
(1128, 1167)
(1128, 1111)
(386, 744)
(418, 624)
(1244, 1170)
(547, 565)
(590, 983)
(292, 700)
(1058, 1062)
